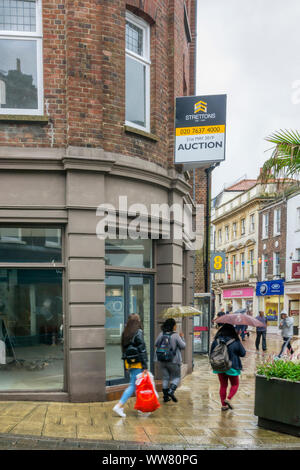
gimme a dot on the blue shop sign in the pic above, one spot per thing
(270, 288)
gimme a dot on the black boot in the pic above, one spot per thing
(166, 396)
(171, 392)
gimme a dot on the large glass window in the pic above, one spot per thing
(31, 329)
(27, 245)
(137, 73)
(128, 253)
(125, 294)
(21, 88)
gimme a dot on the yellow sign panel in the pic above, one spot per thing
(200, 130)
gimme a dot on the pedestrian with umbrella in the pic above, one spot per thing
(227, 343)
(232, 365)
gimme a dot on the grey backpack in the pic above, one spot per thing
(219, 357)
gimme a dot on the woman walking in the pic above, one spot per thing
(134, 355)
(168, 353)
(227, 333)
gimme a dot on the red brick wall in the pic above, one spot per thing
(271, 240)
(84, 77)
(84, 80)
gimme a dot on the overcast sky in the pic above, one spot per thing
(250, 50)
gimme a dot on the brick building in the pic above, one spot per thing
(272, 254)
(87, 93)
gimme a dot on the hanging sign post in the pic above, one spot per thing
(200, 130)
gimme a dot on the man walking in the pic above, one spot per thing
(287, 330)
(261, 331)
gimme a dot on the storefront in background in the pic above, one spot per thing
(202, 323)
(238, 299)
(292, 302)
(271, 299)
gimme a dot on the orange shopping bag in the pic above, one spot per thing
(146, 394)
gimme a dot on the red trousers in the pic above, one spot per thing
(234, 381)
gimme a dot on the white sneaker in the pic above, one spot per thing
(117, 409)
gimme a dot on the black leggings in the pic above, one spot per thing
(286, 344)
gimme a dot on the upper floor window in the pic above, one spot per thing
(265, 228)
(243, 227)
(137, 73)
(21, 66)
(242, 266)
(252, 223)
(251, 262)
(297, 254)
(277, 220)
(234, 230)
(276, 264)
(227, 233)
(220, 236)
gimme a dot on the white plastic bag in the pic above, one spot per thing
(2, 352)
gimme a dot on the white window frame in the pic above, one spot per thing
(242, 266)
(251, 259)
(265, 226)
(145, 60)
(220, 236)
(243, 226)
(276, 272)
(264, 270)
(234, 267)
(252, 223)
(30, 36)
(277, 221)
(227, 233)
(234, 230)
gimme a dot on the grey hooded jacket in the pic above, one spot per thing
(286, 327)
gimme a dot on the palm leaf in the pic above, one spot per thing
(285, 158)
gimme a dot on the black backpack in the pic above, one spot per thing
(219, 357)
(131, 353)
(164, 351)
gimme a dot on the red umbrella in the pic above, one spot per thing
(239, 319)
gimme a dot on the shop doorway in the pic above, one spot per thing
(202, 324)
(126, 293)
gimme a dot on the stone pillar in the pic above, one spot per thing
(86, 289)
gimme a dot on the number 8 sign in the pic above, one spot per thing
(217, 262)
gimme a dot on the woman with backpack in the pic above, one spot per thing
(168, 353)
(134, 355)
(227, 358)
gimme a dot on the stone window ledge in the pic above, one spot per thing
(24, 118)
(147, 135)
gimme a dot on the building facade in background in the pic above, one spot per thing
(87, 93)
(237, 233)
(292, 277)
(272, 256)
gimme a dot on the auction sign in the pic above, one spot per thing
(200, 130)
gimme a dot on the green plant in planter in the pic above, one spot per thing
(281, 369)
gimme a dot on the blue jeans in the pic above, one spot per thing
(131, 387)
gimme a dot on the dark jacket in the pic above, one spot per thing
(139, 343)
(235, 351)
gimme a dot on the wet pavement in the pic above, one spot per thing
(195, 422)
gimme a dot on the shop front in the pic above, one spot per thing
(65, 292)
(238, 299)
(292, 302)
(271, 299)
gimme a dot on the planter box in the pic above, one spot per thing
(277, 405)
